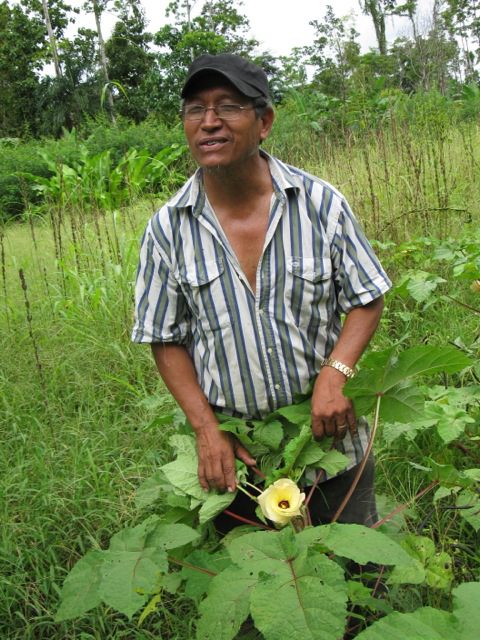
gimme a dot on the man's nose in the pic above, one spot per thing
(210, 118)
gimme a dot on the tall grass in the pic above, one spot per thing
(78, 401)
(402, 179)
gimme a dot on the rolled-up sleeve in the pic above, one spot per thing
(359, 275)
(160, 311)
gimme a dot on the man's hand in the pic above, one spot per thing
(217, 451)
(332, 412)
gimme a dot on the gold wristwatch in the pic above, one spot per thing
(347, 371)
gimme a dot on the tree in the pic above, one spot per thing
(462, 19)
(56, 15)
(130, 60)
(334, 53)
(428, 62)
(218, 28)
(378, 10)
(97, 7)
(23, 48)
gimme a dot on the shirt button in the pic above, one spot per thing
(295, 263)
(260, 311)
(269, 351)
(277, 387)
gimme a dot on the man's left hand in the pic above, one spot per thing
(332, 412)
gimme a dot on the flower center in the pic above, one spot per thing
(284, 504)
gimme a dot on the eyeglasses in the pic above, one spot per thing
(196, 112)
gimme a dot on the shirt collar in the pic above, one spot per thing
(192, 195)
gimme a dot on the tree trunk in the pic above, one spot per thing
(103, 57)
(372, 8)
(52, 39)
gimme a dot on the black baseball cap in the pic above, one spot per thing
(245, 76)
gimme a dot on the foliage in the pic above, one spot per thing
(269, 574)
(94, 181)
(101, 140)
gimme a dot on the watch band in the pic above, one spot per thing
(347, 371)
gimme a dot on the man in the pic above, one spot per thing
(243, 277)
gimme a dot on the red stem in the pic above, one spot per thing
(246, 520)
(402, 507)
(258, 472)
(318, 477)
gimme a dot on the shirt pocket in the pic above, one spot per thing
(202, 286)
(309, 289)
(311, 269)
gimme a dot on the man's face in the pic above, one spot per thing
(220, 143)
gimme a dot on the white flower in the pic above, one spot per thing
(281, 501)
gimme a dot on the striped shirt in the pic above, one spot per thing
(253, 352)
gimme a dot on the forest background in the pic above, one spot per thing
(90, 144)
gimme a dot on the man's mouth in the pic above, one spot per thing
(212, 142)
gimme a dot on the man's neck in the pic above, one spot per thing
(234, 186)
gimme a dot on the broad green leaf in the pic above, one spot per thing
(439, 571)
(268, 433)
(182, 474)
(183, 445)
(402, 403)
(128, 577)
(304, 600)
(226, 605)
(450, 419)
(422, 284)
(133, 538)
(199, 569)
(360, 595)
(393, 430)
(293, 450)
(261, 547)
(150, 490)
(214, 504)
(239, 428)
(419, 547)
(357, 543)
(176, 501)
(425, 360)
(384, 372)
(296, 413)
(469, 503)
(448, 475)
(311, 453)
(433, 568)
(171, 582)
(171, 536)
(466, 599)
(423, 624)
(333, 462)
(80, 591)
(442, 492)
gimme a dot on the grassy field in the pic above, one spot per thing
(78, 401)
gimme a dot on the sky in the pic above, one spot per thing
(280, 25)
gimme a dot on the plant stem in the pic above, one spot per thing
(403, 506)
(246, 520)
(182, 563)
(258, 472)
(363, 462)
(240, 488)
(253, 487)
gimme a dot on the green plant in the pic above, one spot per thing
(276, 577)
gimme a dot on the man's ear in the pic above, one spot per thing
(267, 122)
